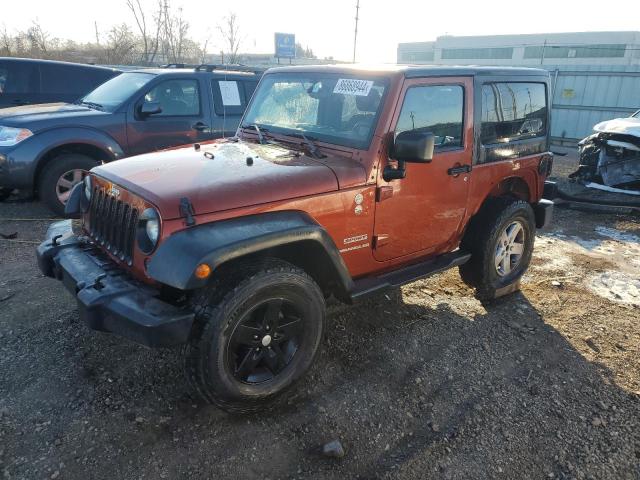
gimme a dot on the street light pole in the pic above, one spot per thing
(355, 34)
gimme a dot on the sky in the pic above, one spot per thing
(326, 26)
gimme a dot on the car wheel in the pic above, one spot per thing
(59, 177)
(254, 336)
(500, 240)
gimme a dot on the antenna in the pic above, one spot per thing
(355, 33)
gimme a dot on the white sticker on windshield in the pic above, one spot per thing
(353, 86)
(229, 92)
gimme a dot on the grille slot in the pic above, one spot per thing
(112, 224)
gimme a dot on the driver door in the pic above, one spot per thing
(184, 118)
(422, 213)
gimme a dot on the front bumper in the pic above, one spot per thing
(108, 300)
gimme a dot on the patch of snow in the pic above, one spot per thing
(616, 286)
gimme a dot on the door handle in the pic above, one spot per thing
(200, 126)
(458, 169)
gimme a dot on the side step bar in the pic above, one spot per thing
(367, 286)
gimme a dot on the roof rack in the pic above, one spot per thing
(179, 65)
(236, 67)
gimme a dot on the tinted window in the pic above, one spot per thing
(176, 97)
(70, 79)
(437, 109)
(512, 112)
(229, 96)
(16, 77)
(110, 95)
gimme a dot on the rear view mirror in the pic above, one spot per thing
(413, 146)
(150, 108)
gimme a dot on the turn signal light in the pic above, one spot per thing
(202, 271)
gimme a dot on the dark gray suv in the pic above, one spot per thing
(47, 149)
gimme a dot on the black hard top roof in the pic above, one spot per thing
(413, 71)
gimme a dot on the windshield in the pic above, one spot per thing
(333, 108)
(111, 94)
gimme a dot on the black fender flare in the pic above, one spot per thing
(59, 137)
(219, 242)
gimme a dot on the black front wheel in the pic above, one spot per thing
(256, 333)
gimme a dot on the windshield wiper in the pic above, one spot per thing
(93, 105)
(261, 138)
(313, 148)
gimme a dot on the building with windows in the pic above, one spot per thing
(595, 75)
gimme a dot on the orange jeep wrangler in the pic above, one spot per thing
(341, 181)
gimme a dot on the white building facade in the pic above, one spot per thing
(595, 75)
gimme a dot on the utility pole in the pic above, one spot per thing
(544, 47)
(355, 34)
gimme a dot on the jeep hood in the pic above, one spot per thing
(225, 175)
(624, 126)
(46, 115)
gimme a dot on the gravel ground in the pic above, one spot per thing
(421, 382)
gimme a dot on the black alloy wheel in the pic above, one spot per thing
(265, 341)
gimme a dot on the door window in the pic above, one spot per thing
(437, 109)
(176, 98)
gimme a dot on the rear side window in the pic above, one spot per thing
(437, 109)
(230, 97)
(71, 80)
(18, 77)
(176, 98)
(511, 112)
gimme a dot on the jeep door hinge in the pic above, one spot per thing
(384, 193)
(380, 240)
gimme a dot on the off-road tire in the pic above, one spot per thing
(222, 306)
(5, 193)
(481, 240)
(52, 172)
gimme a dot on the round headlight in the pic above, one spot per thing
(148, 230)
(87, 187)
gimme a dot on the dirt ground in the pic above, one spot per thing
(419, 383)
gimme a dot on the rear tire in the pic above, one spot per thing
(256, 333)
(500, 239)
(59, 176)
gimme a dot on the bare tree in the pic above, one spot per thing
(230, 31)
(150, 29)
(6, 42)
(176, 29)
(39, 39)
(121, 45)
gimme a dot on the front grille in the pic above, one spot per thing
(112, 224)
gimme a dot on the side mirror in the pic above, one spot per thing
(413, 146)
(150, 108)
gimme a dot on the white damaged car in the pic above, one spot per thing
(611, 156)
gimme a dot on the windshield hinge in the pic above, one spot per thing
(186, 210)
